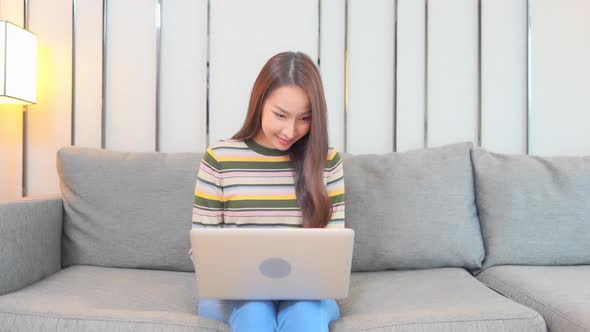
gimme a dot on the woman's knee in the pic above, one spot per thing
(253, 316)
(328, 308)
(309, 315)
(211, 308)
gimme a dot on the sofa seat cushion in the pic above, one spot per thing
(447, 299)
(85, 298)
(561, 294)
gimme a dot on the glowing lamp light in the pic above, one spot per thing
(18, 65)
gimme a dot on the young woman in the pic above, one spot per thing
(277, 171)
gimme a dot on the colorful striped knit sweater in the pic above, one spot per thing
(242, 183)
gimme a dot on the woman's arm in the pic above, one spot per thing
(208, 202)
(335, 188)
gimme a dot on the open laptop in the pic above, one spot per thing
(272, 263)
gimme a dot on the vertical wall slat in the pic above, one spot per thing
(504, 75)
(452, 99)
(11, 124)
(410, 74)
(560, 78)
(332, 67)
(131, 75)
(370, 107)
(50, 119)
(244, 35)
(88, 73)
(183, 76)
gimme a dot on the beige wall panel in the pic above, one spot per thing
(504, 75)
(183, 76)
(332, 44)
(11, 124)
(371, 70)
(560, 111)
(88, 73)
(50, 119)
(131, 75)
(13, 11)
(452, 99)
(410, 74)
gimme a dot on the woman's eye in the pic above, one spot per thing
(306, 119)
(279, 115)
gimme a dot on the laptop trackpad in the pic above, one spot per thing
(275, 267)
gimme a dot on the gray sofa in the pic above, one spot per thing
(447, 239)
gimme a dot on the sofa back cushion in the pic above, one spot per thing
(413, 210)
(533, 210)
(129, 210)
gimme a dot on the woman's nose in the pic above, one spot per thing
(289, 130)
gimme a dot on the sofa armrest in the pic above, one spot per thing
(30, 241)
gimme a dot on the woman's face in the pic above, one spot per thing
(286, 117)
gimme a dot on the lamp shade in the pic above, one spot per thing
(18, 65)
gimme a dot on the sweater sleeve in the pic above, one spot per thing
(335, 188)
(208, 202)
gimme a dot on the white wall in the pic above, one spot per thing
(391, 69)
(560, 117)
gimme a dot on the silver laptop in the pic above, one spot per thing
(272, 263)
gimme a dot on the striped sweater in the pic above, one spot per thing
(242, 183)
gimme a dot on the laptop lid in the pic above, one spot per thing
(272, 263)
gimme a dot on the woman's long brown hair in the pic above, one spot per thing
(310, 152)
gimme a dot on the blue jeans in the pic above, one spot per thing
(267, 315)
